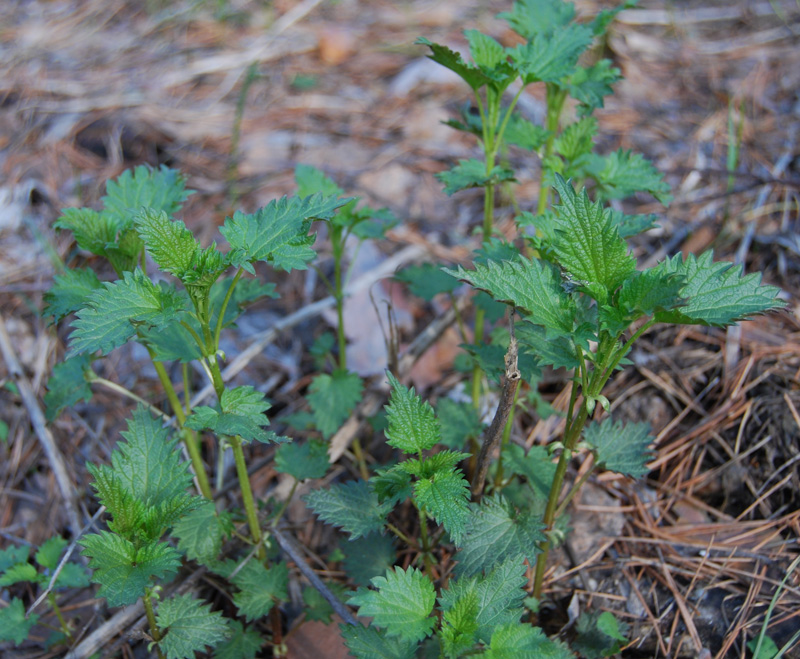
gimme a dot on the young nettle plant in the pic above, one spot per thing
(51, 573)
(583, 305)
(553, 42)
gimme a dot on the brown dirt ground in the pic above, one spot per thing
(691, 556)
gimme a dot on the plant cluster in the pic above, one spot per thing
(471, 525)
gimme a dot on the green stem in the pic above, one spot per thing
(247, 495)
(576, 486)
(151, 621)
(555, 105)
(51, 597)
(425, 541)
(401, 535)
(224, 307)
(118, 388)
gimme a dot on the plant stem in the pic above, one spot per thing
(51, 598)
(337, 241)
(151, 621)
(247, 495)
(498, 478)
(425, 542)
(401, 535)
(224, 307)
(555, 105)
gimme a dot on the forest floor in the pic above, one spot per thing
(692, 555)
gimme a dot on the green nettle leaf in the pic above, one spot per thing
(633, 225)
(19, 573)
(93, 231)
(393, 485)
(311, 180)
(123, 570)
(188, 625)
(496, 532)
(278, 233)
(445, 496)
(469, 73)
(485, 51)
(619, 447)
(588, 244)
(524, 642)
(68, 385)
(553, 55)
(560, 352)
(643, 294)
(532, 286)
(159, 189)
(170, 243)
(500, 595)
(14, 624)
(373, 643)
(427, 280)
(12, 556)
(260, 588)
(240, 413)
(599, 635)
(767, 650)
(173, 343)
(316, 606)
(577, 139)
(70, 292)
(242, 644)
(246, 292)
(303, 460)
(717, 294)
(524, 133)
(367, 557)
(332, 398)
(460, 624)
(200, 533)
(622, 174)
(472, 174)
(352, 506)
(72, 575)
(530, 18)
(402, 603)
(459, 421)
(590, 85)
(536, 466)
(113, 313)
(50, 551)
(412, 423)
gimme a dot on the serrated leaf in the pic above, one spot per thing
(70, 291)
(145, 488)
(450, 59)
(412, 423)
(242, 644)
(459, 422)
(240, 413)
(372, 643)
(633, 225)
(472, 174)
(13, 555)
(367, 557)
(524, 642)
(14, 626)
(588, 245)
(352, 506)
(159, 189)
(402, 603)
(643, 294)
(170, 243)
(260, 588)
(303, 459)
(444, 495)
(392, 485)
(317, 607)
(500, 594)
(200, 533)
(524, 133)
(50, 551)
(427, 280)
(497, 531)
(590, 85)
(122, 570)
(432, 465)
(19, 573)
(622, 174)
(311, 181)
(598, 635)
(553, 55)
(717, 294)
(172, 343)
(72, 575)
(484, 50)
(536, 466)
(533, 286)
(114, 312)
(531, 18)
(93, 231)
(460, 624)
(619, 447)
(68, 385)
(278, 233)
(332, 398)
(188, 625)
(577, 139)
(604, 17)
(246, 292)
(559, 352)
